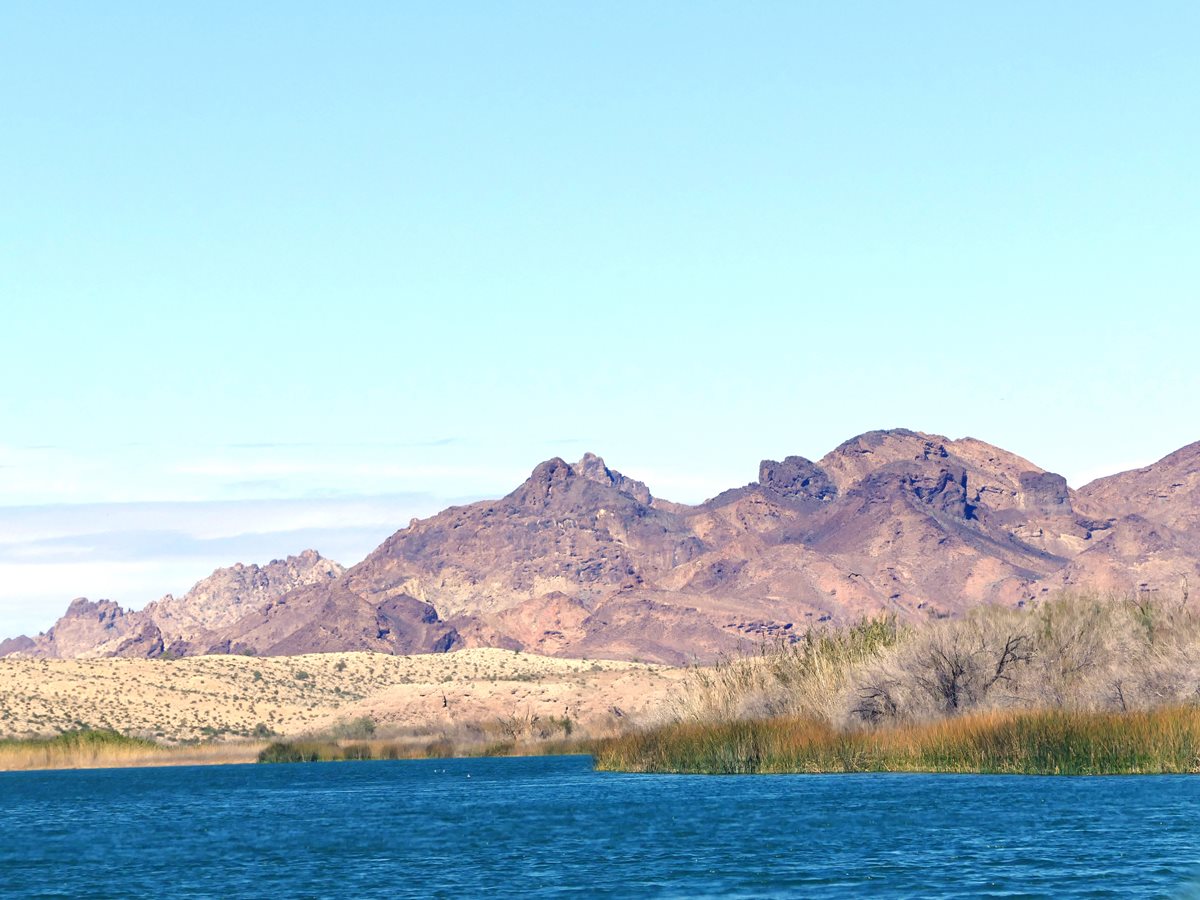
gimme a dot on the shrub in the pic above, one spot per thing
(353, 729)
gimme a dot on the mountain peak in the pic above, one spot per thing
(797, 477)
(593, 468)
(552, 477)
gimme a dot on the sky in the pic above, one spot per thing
(280, 275)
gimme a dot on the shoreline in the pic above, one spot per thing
(1046, 743)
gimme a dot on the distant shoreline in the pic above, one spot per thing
(1040, 742)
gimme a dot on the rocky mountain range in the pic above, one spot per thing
(583, 561)
(176, 625)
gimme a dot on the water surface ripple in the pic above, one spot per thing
(551, 827)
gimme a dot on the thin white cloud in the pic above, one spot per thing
(41, 475)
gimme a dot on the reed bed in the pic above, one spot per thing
(1044, 742)
(104, 749)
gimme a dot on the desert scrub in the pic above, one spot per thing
(1048, 742)
(805, 676)
(1074, 651)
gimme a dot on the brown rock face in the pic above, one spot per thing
(229, 594)
(85, 626)
(1167, 492)
(18, 644)
(580, 560)
(1146, 529)
(181, 625)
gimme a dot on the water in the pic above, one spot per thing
(551, 827)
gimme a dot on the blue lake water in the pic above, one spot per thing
(551, 827)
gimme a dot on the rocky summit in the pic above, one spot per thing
(583, 561)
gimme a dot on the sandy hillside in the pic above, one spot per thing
(232, 696)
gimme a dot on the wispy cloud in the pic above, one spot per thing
(285, 470)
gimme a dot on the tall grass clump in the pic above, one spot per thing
(805, 677)
(79, 749)
(1045, 742)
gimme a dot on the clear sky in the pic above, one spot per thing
(280, 275)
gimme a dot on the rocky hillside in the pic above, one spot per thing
(581, 560)
(180, 626)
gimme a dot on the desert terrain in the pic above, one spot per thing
(222, 698)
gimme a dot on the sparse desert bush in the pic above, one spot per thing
(520, 724)
(947, 668)
(1074, 651)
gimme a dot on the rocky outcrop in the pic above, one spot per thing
(177, 625)
(19, 644)
(796, 477)
(592, 467)
(229, 594)
(1167, 492)
(86, 625)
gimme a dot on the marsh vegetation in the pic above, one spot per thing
(1078, 683)
(87, 748)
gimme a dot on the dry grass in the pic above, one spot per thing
(1078, 684)
(804, 678)
(107, 749)
(1028, 743)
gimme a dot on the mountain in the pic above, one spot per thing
(1153, 537)
(1167, 492)
(181, 626)
(580, 560)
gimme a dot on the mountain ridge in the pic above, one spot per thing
(581, 560)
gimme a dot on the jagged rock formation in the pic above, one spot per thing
(16, 645)
(1167, 492)
(580, 560)
(183, 625)
(1146, 529)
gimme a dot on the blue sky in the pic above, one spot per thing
(284, 274)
